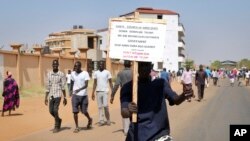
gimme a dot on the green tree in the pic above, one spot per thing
(244, 63)
(190, 63)
(215, 64)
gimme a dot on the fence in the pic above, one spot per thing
(30, 69)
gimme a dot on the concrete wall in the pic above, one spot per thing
(1, 71)
(33, 68)
(29, 68)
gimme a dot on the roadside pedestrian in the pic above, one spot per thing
(54, 90)
(101, 79)
(186, 80)
(231, 78)
(68, 79)
(170, 77)
(122, 78)
(10, 94)
(152, 116)
(79, 85)
(173, 76)
(215, 75)
(247, 77)
(193, 73)
(179, 76)
(164, 75)
(209, 74)
(239, 77)
(200, 78)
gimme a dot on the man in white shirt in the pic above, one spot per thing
(215, 76)
(186, 80)
(79, 85)
(247, 74)
(68, 79)
(101, 79)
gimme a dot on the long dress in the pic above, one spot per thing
(10, 94)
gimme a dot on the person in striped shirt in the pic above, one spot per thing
(54, 90)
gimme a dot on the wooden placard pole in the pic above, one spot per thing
(135, 81)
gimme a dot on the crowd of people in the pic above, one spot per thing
(153, 89)
(150, 108)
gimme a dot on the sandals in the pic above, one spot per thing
(76, 130)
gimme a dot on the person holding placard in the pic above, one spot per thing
(152, 116)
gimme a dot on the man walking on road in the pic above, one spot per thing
(186, 80)
(79, 85)
(208, 72)
(123, 77)
(164, 75)
(55, 88)
(68, 79)
(200, 78)
(247, 77)
(101, 79)
(152, 116)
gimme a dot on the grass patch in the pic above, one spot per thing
(29, 92)
(37, 91)
(32, 92)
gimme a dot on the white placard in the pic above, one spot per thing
(137, 41)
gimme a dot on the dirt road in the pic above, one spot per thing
(196, 121)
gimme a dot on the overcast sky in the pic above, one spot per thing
(214, 29)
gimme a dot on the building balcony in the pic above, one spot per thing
(56, 39)
(181, 51)
(181, 30)
(181, 59)
(181, 40)
(181, 45)
(181, 55)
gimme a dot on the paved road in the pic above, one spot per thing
(207, 120)
(211, 118)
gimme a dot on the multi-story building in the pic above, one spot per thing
(76, 38)
(174, 56)
(103, 33)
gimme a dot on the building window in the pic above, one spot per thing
(90, 42)
(100, 42)
(159, 16)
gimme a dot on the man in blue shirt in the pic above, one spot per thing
(209, 74)
(165, 75)
(152, 116)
